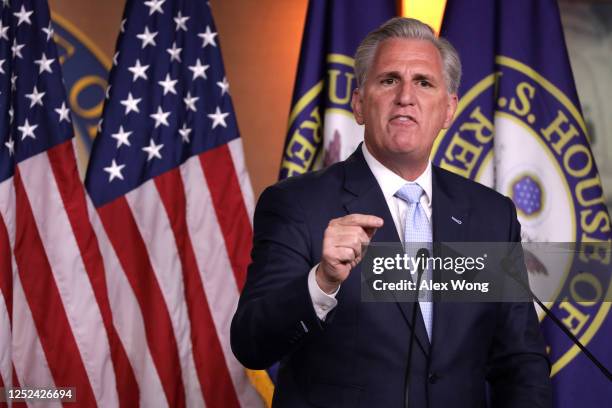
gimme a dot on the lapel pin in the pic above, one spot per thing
(456, 220)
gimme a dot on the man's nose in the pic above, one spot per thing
(405, 94)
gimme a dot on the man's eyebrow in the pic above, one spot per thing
(389, 74)
(420, 77)
(416, 77)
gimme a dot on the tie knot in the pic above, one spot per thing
(410, 193)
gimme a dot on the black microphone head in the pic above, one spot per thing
(423, 253)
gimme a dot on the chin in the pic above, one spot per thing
(403, 146)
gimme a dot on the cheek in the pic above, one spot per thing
(438, 116)
(376, 114)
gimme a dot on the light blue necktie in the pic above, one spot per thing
(417, 229)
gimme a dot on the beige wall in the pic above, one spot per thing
(98, 20)
(260, 40)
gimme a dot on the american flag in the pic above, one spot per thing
(54, 309)
(124, 291)
(173, 206)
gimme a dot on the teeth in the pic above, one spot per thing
(404, 118)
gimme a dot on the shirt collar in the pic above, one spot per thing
(390, 182)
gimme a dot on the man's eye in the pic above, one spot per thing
(388, 81)
(423, 83)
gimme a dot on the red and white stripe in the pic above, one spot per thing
(212, 253)
(7, 268)
(62, 332)
(62, 281)
(130, 303)
(237, 152)
(128, 321)
(156, 232)
(28, 355)
(169, 238)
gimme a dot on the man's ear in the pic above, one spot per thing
(451, 108)
(357, 106)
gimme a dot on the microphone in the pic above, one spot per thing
(423, 254)
(509, 267)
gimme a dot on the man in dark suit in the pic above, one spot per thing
(301, 303)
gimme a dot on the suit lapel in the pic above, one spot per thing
(450, 217)
(365, 197)
(450, 214)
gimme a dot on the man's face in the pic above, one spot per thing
(404, 101)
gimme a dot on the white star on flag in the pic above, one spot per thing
(4, 31)
(224, 85)
(16, 48)
(131, 104)
(115, 58)
(190, 101)
(23, 16)
(123, 24)
(198, 70)
(44, 64)
(122, 137)
(155, 6)
(48, 31)
(218, 118)
(168, 84)
(63, 112)
(180, 21)
(175, 53)
(208, 37)
(27, 130)
(35, 97)
(160, 117)
(1, 64)
(184, 132)
(114, 171)
(10, 145)
(153, 150)
(147, 37)
(139, 71)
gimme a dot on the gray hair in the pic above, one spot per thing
(409, 28)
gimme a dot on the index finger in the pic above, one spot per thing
(361, 220)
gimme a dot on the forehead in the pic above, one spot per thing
(401, 53)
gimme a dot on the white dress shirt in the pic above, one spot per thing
(389, 183)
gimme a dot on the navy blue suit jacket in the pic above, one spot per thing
(357, 357)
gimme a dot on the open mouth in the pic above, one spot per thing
(403, 119)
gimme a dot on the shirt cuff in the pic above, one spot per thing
(322, 302)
